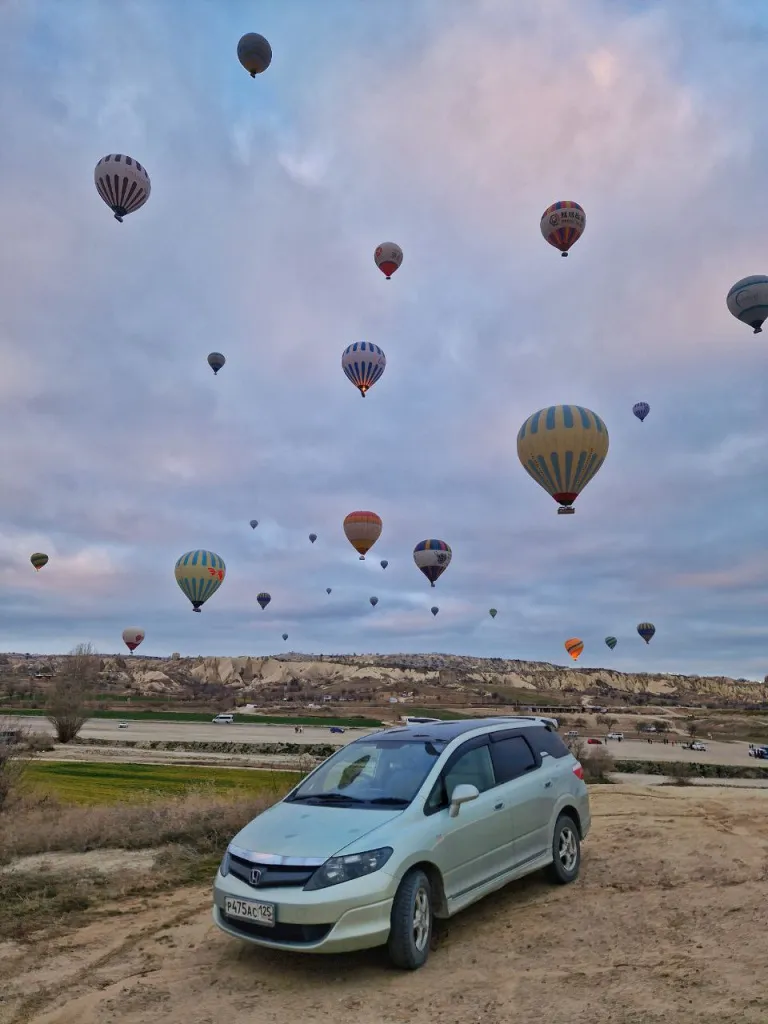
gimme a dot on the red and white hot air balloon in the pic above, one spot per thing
(132, 637)
(388, 257)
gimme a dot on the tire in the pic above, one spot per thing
(566, 851)
(409, 942)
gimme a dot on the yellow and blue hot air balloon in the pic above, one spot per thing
(574, 646)
(200, 574)
(562, 448)
(646, 631)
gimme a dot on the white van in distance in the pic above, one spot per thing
(223, 719)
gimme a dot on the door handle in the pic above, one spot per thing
(498, 807)
(548, 784)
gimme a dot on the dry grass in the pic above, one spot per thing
(189, 834)
(596, 761)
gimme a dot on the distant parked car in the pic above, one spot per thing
(122, 725)
(615, 736)
(592, 739)
(336, 728)
(697, 746)
(572, 732)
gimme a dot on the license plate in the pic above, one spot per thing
(247, 910)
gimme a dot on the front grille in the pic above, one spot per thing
(271, 874)
(281, 932)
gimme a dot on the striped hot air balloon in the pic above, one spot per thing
(263, 598)
(492, 612)
(646, 631)
(200, 574)
(574, 646)
(362, 530)
(562, 224)
(122, 183)
(363, 363)
(38, 560)
(432, 557)
(562, 448)
(641, 410)
(611, 641)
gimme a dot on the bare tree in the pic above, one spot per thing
(692, 730)
(73, 688)
(11, 763)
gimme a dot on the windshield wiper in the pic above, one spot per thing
(394, 801)
(329, 797)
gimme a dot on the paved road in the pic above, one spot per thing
(717, 752)
(196, 732)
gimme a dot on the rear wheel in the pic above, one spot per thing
(566, 851)
(411, 922)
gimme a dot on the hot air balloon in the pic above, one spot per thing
(363, 363)
(646, 631)
(374, 601)
(122, 183)
(574, 646)
(327, 590)
(216, 360)
(434, 609)
(263, 598)
(200, 574)
(254, 523)
(641, 410)
(383, 563)
(562, 448)
(611, 641)
(562, 224)
(433, 557)
(254, 53)
(388, 257)
(285, 636)
(132, 638)
(748, 301)
(492, 612)
(312, 538)
(362, 530)
(38, 559)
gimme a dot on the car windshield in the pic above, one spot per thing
(371, 773)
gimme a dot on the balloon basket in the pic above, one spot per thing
(566, 511)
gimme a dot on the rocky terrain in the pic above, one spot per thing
(378, 677)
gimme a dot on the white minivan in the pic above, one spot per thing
(223, 719)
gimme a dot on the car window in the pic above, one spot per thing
(473, 767)
(512, 757)
(545, 741)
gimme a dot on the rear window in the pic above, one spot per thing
(545, 741)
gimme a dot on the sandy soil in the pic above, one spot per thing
(668, 923)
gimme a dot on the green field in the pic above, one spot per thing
(96, 783)
(202, 716)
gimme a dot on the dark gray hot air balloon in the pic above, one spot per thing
(285, 636)
(254, 523)
(254, 53)
(434, 609)
(374, 601)
(383, 563)
(122, 183)
(327, 590)
(312, 538)
(216, 360)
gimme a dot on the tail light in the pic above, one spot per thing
(578, 771)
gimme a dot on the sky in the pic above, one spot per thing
(447, 127)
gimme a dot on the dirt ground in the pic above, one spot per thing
(667, 923)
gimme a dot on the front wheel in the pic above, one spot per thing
(566, 851)
(410, 931)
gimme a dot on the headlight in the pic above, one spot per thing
(224, 866)
(344, 869)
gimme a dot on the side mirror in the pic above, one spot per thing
(462, 794)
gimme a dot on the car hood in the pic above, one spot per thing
(301, 830)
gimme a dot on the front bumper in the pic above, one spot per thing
(340, 919)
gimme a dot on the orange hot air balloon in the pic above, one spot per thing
(574, 646)
(362, 530)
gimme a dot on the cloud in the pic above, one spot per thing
(448, 128)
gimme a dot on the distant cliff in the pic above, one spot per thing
(381, 676)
